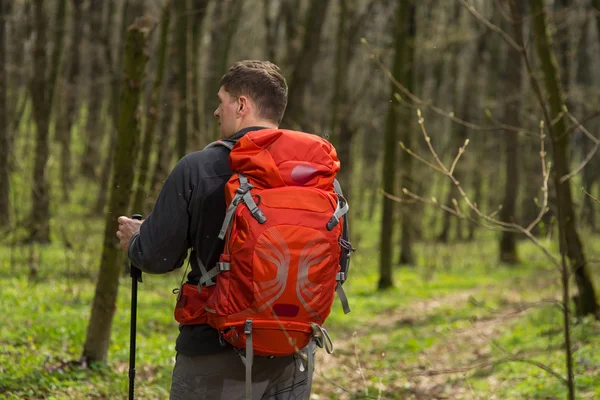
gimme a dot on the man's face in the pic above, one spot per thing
(227, 114)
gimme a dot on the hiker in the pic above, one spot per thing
(189, 213)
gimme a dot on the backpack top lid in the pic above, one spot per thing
(279, 157)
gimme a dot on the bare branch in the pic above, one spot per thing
(593, 198)
(507, 38)
(418, 102)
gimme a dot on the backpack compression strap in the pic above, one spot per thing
(347, 250)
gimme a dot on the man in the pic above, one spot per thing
(189, 213)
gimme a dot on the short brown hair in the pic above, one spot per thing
(263, 82)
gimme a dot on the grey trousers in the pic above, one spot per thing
(222, 376)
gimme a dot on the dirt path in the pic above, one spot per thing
(419, 380)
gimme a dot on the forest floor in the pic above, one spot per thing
(458, 325)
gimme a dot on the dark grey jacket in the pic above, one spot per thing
(188, 213)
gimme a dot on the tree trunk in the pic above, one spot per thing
(69, 96)
(4, 125)
(5, 144)
(114, 106)
(511, 78)
(341, 72)
(290, 16)
(104, 305)
(225, 22)
(390, 144)
(585, 82)
(271, 28)
(93, 129)
(153, 113)
(303, 66)
(459, 140)
(200, 132)
(42, 94)
(182, 99)
(407, 210)
(341, 132)
(597, 7)
(571, 245)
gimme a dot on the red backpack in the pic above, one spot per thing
(286, 252)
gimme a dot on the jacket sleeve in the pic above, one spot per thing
(163, 241)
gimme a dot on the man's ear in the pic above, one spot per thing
(243, 105)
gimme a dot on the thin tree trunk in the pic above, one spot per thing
(477, 194)
(596, 4)
(69, 95)
(511, 76)
(573, 248)
(42, 93)
(94, 129)
(5, 144)
(290, 16)
(153, 113)
(271, 28)
(453, 193)
(390, 144)
(226, 18)
(114, 109)
(586, 83)
(341, 74)
(407, 181)
(105, 297)
(303, 66)
(198, 118)
(182, 128)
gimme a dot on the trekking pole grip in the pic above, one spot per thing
(134, 271)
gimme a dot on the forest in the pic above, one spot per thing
(468, 135)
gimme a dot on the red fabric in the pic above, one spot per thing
(190, 304)
(283, 272)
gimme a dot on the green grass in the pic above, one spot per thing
(435, 317)
(389, 334)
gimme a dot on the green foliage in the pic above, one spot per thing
(431, 320)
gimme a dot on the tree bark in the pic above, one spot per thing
(69, 96)
(198, 118)
(571, 244)
(182, 128)
(390, 144)
(271, 28)
(596, 5)
(303, 65)
(408, 221)
(459, 139)
(341, 71)
(153, 113)
(93, 129)
(104, 305)
(225, 22)
(42, 93)
(5, 144)
(114, 104)
(512, 81)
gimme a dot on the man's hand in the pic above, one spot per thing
(127, 227)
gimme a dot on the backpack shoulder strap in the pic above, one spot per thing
(224, 143)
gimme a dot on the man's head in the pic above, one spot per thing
(252, 93)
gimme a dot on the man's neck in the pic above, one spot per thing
(257, 122)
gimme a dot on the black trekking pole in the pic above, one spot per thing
(136, 276)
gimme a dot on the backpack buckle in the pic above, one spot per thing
(248, 327)
(223, 266)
